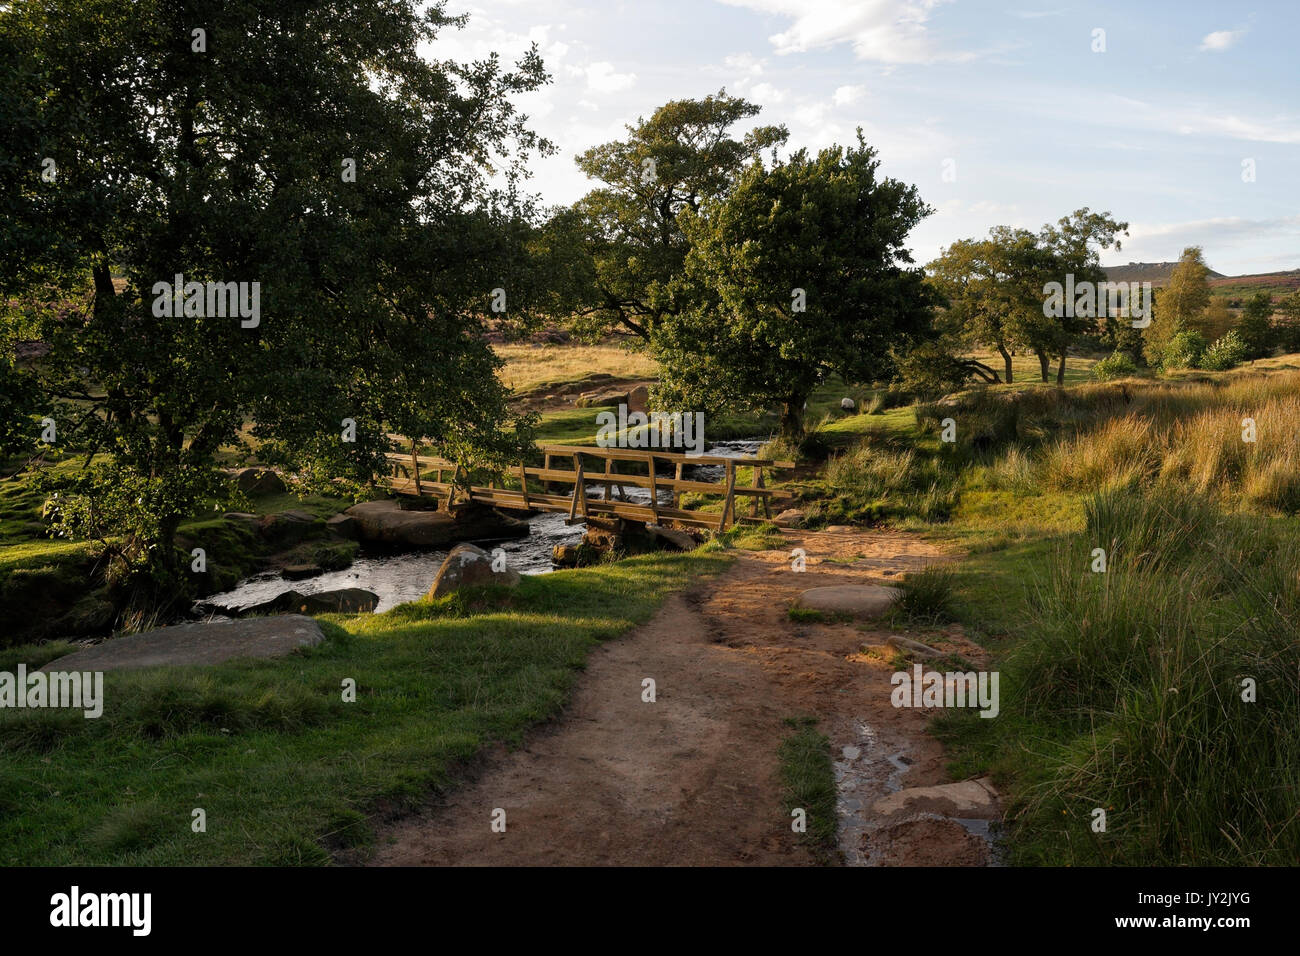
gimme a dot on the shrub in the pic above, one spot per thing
(927, 596)
(1228, 351)
(1116, 365)
(1184, 350)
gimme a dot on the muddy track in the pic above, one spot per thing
(692, 779)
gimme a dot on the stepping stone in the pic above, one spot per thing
(195, 644)
(915, 647)
(857, 600)
(968, 799)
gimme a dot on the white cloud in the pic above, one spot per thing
(1220, 40)
(884, 31)
(765, 93)
(602, 78)
(845, 95)
(744, 63)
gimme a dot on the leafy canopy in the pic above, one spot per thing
(799, 272)
(223, 156)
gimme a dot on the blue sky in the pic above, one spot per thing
(1009, 97)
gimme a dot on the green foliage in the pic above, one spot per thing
(228, 166)
(995, 287)
(625, 240)
(1256, 327)
(1116, 365)
(799, 272)
(1183, 350)
(1177, 305)
(1226, 352)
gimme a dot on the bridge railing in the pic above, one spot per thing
(567, 466)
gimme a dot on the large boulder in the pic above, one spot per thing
(341, 601)
(387, 524)
(638, 399)
(672, 538)
(287, 528)
(791, 518)
(469, 566)
(190, 644)
(259, 481)
(602, 399)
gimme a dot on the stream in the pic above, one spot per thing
(398, 578)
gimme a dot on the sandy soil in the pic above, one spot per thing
(692, 779)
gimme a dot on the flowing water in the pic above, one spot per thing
(398, 578)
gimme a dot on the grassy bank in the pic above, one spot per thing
(285, 770)
(1164, 690)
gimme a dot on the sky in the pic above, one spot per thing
(1180, 118)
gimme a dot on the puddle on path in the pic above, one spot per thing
(868, 768)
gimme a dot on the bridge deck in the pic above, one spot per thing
(426, 477)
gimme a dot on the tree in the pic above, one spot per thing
(1288, 327)
(1256, 326)
(1179, 302)
(997, 287)
(799, 272)
(990, 285)
(628, 229)
(1072, 248)
(360, 199)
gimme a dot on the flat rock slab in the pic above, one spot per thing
(968, 799)
(386, 523)
(858, 600)
(195, 644)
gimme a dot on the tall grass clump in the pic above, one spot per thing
(1142, 670)
(870, 481)
(1235, 442)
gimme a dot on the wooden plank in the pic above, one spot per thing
(729, 503)
(415, 464)
(523, 485)
(677, 477)
(641, 481)
(580, 485)
(654, 491)
(630, 454)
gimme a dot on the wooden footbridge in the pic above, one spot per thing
(567, 467)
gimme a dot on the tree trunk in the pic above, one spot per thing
(1006, 357)
(1060, 371)
(1043, 363)
(791, 428)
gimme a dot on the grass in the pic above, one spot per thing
(1123, 690)
(808, 776)
(533, 368)
(286, 771)
(927, 598)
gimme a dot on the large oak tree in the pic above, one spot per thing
(316, 149)
(801, 271)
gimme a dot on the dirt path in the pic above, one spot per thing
(692, 779)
